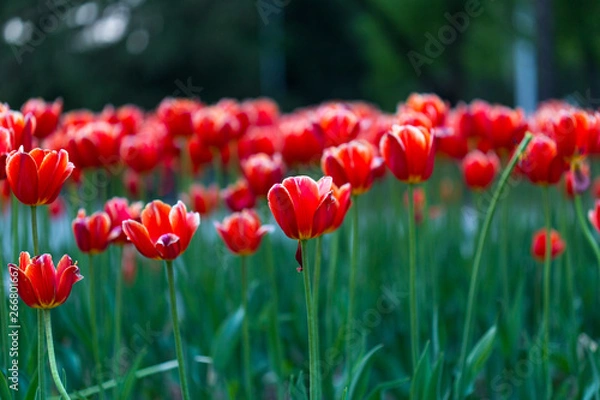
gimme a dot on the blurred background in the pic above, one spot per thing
(299, 52)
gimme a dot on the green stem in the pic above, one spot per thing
(118, 312)
(546, 284)
(503, 255)
(585, 228)
(313, 351)
(176, 332)
(246, 331)
(352, 286)
(412, 280)
(54, 370)
(276, 342)
(477, 261)
(315, 292)
(94, 325)
(34, 231)
(331, 288)
(41, 355)
(3, 314)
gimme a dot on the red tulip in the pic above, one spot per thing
(541, 162)
(93, 145)
(303, 208)
(409, 153)
(303, 141)
(261, 111)
(344, 199)
(40, 284)
(5, 149)
(37, 177)
(259, 139)
(129, 265)
(242, 232)
(338, 124)
(165, 232)
(419, 202)
(577, 179)
(354, 162)
(538, 245)
(46, 115)
(215, 127)
(91, 232)
(177, 114)
(129, 118)
(571, 131)
(203, 200)
(57, 208)
(430, 105)
(21, 128)
(594, 215)
(141, 152)
(480, 169)
(262, 172)
(118, 209)
(238, 196)
(506, 127)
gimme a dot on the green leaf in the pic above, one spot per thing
(226, 339)
(297, 389)
(479, 355)
(357, 373)
(420, 379)
(33, 386)
(435, 380)
(376, 393)
(4, 387)
(128, 381)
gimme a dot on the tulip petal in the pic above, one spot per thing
(168, 246)
(155, 218)
(21, 172)
(25, 287)
(394, 154)
(138, 235)
(282, 208)
(43, 278)
(324, 216)
(62, 171)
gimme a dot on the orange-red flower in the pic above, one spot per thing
(165, 232)
(541, 162)
(594, 215)
(238, 196)
(141, 152)
(538, 245)
(40, 284)
(262, 172)
(119, 210)
(259, 139)
(177, 115)
(94, 145)
(408, 152)
(21, 127)
(91, 232)
(338, 123)
(215, 126)
(303, 141)
(46, 115)
(343, 196)
(354, 162)
(203, 200)
(242, 232)
(303, 208)
(37, 177)
(430, 105)
(577, 179)
(480, 169)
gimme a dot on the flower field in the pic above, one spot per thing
(234, 251)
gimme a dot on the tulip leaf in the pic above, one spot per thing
(479, 355)
(4, 389)
(31, 393)
(377, 392)
(297, 389)
(226, 339)
(435, 380)
(128, 382)
(358, 371)
(420, 379)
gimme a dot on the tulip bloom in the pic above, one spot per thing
(303, 208)
(302, 141)
(541, 162)
(430, 105)
(262, 172)
(242, 232)
(37, 177)
(165, 232)
(480, 169)
(577, 179)
(91, 232)
(238, 196)
(141, 152)
(408, 152)
(259, 139)
(40, 284)
(343, 196)
(338, 124)
(94, 145)
(176, 114)
(538, 245)
(46, 115)
(215, 126)
(354, 162)
(118, 209)
(203, 200)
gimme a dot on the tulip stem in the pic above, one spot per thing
(585, 228)
(546, 284)
(477, 262)
(176, 331)
(118, 311)
(331, 285)
(94, 326)
(34, 231)
(54, 370)
(41, 355)
(352, 287)
(313, 351)
(276, 341)
(246, 330)
(412, 264)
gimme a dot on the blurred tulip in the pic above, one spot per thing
(92, 232)
(165, 232)
(57, 208)
(541, 162)
(409, 153)
(238, 196)
(141, 153)
(37, 177)
(129, 118)
(5, 149)
(129, 265)
(40, 284)
(355, 162)
(215, 127)
(47, 115)
(261, 112)
(263, 139)
(343, 196)
(118, 209)
(338, 124)
(132, 181)
(479, 169)
(262, 172)
(538, 245)
(94, 145)
(577, 179)
(203, 200)
(303, 142)
(303, 208)
(242, 232)
(176, 114)
(430, 105)
(594, 215)
(21, 128)
(419, 201)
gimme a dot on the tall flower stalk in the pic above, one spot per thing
(53, 368)
(546, 295)
(412, 280)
